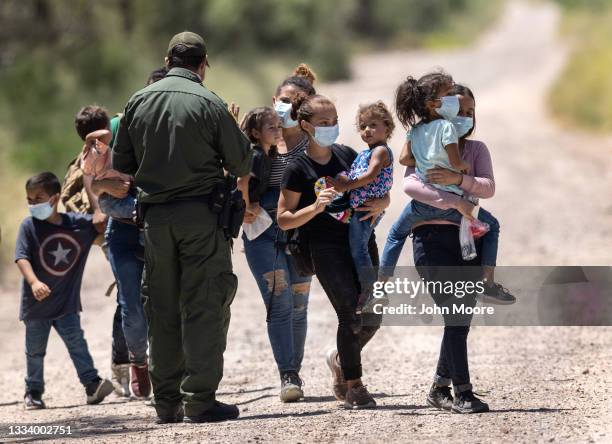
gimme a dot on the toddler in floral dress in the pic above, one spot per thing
(370, 177)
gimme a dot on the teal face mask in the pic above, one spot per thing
(462, 124)
(449, 107)
(283, 110)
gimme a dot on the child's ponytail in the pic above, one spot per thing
(411, 96)
(407, 100)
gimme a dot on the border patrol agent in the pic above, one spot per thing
(175, 138)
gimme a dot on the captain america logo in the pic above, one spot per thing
(59, 253)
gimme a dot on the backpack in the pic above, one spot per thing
(73, 194)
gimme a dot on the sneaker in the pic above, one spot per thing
(440, 397)
(33, 401)
(98, 390)
(339, 386)
(497, 295)
(178, 416)
(291, 387)
(121, 379)
(218, 412)
(466, 402)
(358, 398)
(139, 380)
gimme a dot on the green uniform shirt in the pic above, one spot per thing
(176, 137)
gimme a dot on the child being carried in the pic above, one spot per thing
(96, 162)
(370, 177)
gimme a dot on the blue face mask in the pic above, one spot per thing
(326, 135)
(41, 211)
(449, 107)
(462, 124)
(283, 110)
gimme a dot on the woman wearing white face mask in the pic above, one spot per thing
(304, 203)
(456, 112)
(284, 291)
(436, 238)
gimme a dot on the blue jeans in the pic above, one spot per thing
(119, 208)
(37, 336)
(359, 238)
(120, 353)
(284, 292)
(123, 251)
(417, 212)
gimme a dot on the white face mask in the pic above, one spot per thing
(283, 109)
(449, 107)
(326, 135)
(41, 211)
(462, 124)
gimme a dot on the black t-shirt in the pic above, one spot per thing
(260, 174)
(58, 254)
(300, 176)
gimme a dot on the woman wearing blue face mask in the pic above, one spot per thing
(284, 292)
(456, 116)
(304, 203)
(436, 244)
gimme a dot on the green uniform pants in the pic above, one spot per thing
(187, 289)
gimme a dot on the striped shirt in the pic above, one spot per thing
(280, 162)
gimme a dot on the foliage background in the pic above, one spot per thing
(582, 96)
(59, 55)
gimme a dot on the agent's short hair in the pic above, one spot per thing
(47, 181)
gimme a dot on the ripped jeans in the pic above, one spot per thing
(285, 294)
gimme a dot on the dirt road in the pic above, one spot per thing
(544, 384)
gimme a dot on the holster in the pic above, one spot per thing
(226, 201)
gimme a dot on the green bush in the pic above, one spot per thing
(78, 52)
(582, 94)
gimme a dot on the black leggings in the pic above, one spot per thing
(437, 256)
(336, 272)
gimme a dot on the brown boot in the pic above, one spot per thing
(359, 398)
(139, 380)
(339, 386)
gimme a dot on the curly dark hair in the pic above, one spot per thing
(411, 96)
(377, 110)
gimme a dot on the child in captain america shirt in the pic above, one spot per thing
(51, 252)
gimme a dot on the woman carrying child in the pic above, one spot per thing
(328, 237)
(436, 238)
(436, 147)
(277, 140)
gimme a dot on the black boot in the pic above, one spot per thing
(466, 402)
(218, 412)
(440, 397)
